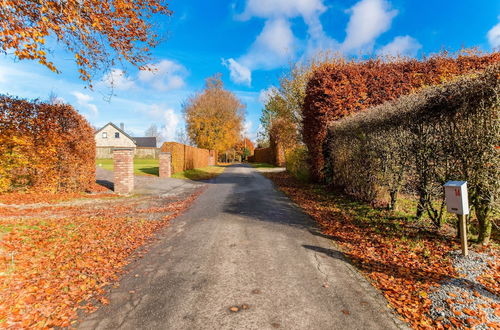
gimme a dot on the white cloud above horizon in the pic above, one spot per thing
(276, 45)
(117, 79)
(238, 73)
(401, 46)
(165, 75)
(272, 48)
(281, 8)
(247, 130)
(369, 19)
(493, 35)
(84, 100)
(264, 94)
(169, 128)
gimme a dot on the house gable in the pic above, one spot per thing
(112, 136)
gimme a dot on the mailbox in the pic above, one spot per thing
(457, 199)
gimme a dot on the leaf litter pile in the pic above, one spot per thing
(416, 268)
(56, 259)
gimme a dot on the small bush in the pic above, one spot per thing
(44, 147)
(296, 163)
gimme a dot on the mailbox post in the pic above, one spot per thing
(457, 201)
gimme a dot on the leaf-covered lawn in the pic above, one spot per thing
(406, 260)
(55, 258)
(203, 173)
(141, 166)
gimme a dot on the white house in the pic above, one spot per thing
(112, 136)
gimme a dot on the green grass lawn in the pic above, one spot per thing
(141, 166)
(151, 167)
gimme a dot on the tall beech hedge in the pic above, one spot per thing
(340, 87)
(44, 147)
(420, 141)
(185, 157)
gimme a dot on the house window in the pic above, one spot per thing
(117, 135)
(104, 135)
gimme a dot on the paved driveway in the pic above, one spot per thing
(245, 245)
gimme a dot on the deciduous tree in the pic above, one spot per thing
(98, 33)
(214, 117)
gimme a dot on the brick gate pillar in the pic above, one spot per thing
(165, 170)
(123, 160)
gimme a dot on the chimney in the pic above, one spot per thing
(122, 126)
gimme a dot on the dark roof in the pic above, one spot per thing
(149, 142)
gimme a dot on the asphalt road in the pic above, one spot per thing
(243, 244)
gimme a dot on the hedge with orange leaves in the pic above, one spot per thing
(185, 157)
(44, 147)
(339, 88)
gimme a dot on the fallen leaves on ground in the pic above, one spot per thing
(401, 259)
(22, 198)
(50, 266)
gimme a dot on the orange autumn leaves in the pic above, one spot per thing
(99, 33)
(403, 262)
(44, 147)
(340, 87)
(49, 266)
(214, 117)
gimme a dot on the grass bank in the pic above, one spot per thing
(141, 166)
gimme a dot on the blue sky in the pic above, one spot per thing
(251, 42)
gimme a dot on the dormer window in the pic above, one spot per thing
(104, 135)
(117, 135)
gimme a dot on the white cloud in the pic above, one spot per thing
(402, 45)
(165, 75)
(117, 79)
(493, 35)
(165, 117)
(274, 46)
(369, 19)
(170, 128)
(265, 94)
(239, 74)
(84, 100)
(281, 8)
(247, 130)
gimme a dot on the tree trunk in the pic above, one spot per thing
(394, 199)
(421, 205)
(484, 224)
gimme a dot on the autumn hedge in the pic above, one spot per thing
(44, 147)
(340, 87)
(420, 141)
(186, 157)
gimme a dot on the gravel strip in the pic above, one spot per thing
(464, 298)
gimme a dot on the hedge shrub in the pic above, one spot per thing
(420, 141)
(263, 155)
(44, 147)
(340, 87)
(186, 157)
(296, 163)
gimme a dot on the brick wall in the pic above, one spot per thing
(165, 165)
(123, 159)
